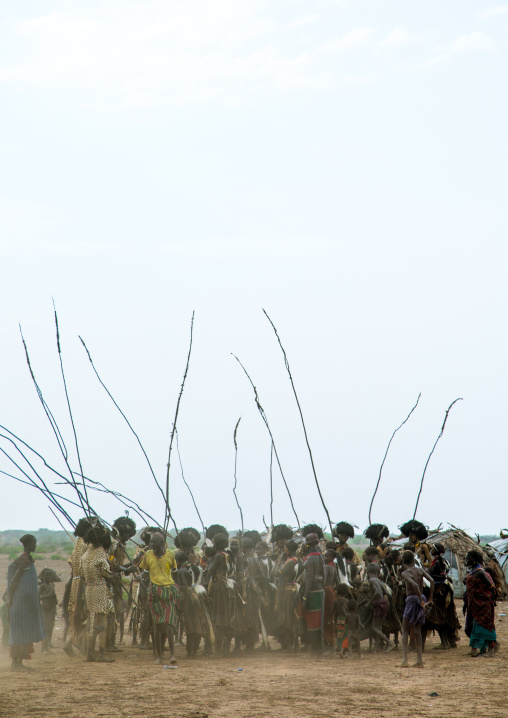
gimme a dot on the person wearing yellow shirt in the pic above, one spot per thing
(162, 594)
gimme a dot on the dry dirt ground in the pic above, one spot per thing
(269, 685)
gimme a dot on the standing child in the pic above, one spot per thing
(330, 584)
(49, 602)
(353, 625)
(379, 607)
(340, 615)
(414, 611)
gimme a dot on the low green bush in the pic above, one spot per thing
(56, 557)
(46, 548)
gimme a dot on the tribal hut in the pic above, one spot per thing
(457, 543)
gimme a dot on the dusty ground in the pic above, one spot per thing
(277, 685)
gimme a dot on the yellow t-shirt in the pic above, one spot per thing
(160, 568)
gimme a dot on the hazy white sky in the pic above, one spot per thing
(341, 164)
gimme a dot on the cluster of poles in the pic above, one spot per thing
(27, 460)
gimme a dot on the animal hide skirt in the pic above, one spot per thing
(223, 603)
(191, 610)
(443, 613)
(286, 607)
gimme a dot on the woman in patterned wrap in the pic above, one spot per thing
(75, 599)
(98, 596)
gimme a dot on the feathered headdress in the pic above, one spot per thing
(254, 536)
(82, 527)
(125, 526)
(216, 529)
(312, 529)
(344, 528)
(415, 527)
(187, 538)
(281, 532)
(376, 531)
(148, 531)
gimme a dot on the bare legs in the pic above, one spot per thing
(377, 622)
(99, 631)
(161, 632)
(417, 628)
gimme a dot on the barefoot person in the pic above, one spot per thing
(75, 604)
(222, 596)
(331, 582)
(123, 529)
(286, 605)
(26, 625)
(313, 598)
(49, 603)
(340, 614)
(353, 625)
(162, 594)
(443, 616)
(380, 608)
(414, 611)
(481, 595)
(94, 568)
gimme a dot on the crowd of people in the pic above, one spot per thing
(236, 593)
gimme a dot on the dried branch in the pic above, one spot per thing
(126, 420)
(69, 403)
(435, 444)
(11, 441)
(33, 485)
(386, 454)
(271, 486)
(132, 505)
(234, 487)
(56, 430)
(265, 420)
(168, 511)
(42, 488)
(286, 362)
(187, 485)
